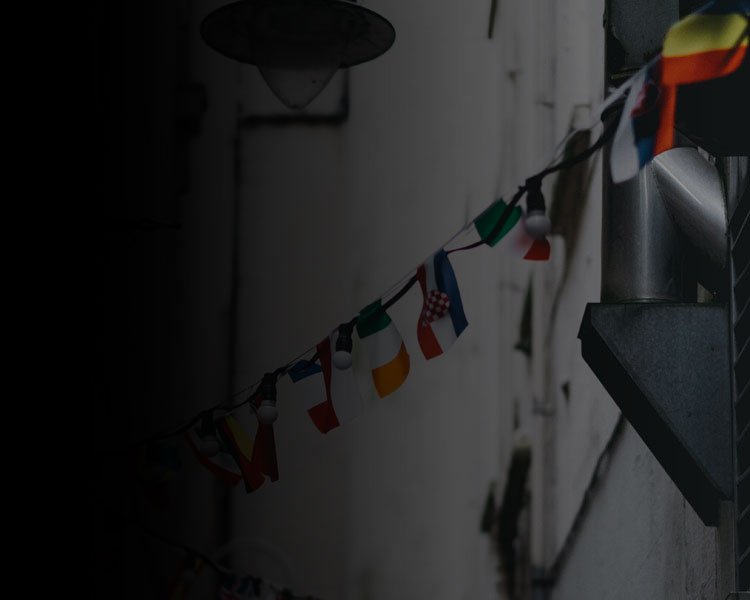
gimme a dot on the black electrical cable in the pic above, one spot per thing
(531, 183)
(535, 181)
(400, 294)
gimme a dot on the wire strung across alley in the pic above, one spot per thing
(532, 184)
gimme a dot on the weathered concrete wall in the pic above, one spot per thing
(641, 539)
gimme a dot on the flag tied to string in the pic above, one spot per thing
(442, 318)
(221, 463)
(516, 239)
(384, 347)
(303, 369)
(705, 45)
(239, 456)
(341, 400)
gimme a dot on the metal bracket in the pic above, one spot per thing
(667, 367)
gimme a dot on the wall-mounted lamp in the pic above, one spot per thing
(297, 44)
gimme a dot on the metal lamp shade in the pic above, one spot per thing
(297, 44)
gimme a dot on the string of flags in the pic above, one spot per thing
(224, 447)
(710, 43)
(705, 45)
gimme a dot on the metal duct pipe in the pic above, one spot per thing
(691, 190)
(643, 259)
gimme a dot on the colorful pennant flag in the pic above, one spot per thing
(222, 465)
(522, 244)
(264, 449)
(485, 223)
(342, 401)
(639, 131)
(385, 349)
(705, 45)
(442, 318)
(303, 369)
(518, 240)
(240, 446)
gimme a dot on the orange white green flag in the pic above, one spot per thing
(385, 348)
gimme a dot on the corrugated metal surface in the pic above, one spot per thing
(740, 250)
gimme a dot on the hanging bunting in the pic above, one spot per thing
(226, 449)
(639, 130)
(705, 45)
(240, 446)
(523, 245)
(442, 318)
(516, 237)
(385, 349)
(303, 369)
(485, 223)
(264, 452)
(212, 453)
(709, 44)
(264, 447)
(342, 401)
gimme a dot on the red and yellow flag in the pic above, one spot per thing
(708, 44)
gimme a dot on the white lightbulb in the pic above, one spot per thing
(537, 224)
(342, 360)
(267, 412)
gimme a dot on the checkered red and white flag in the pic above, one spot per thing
(442, 318)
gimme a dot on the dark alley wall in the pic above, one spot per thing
(148, 285)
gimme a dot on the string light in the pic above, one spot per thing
(537, 222)
(267, 412)
(342, 357)
(263, 397)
